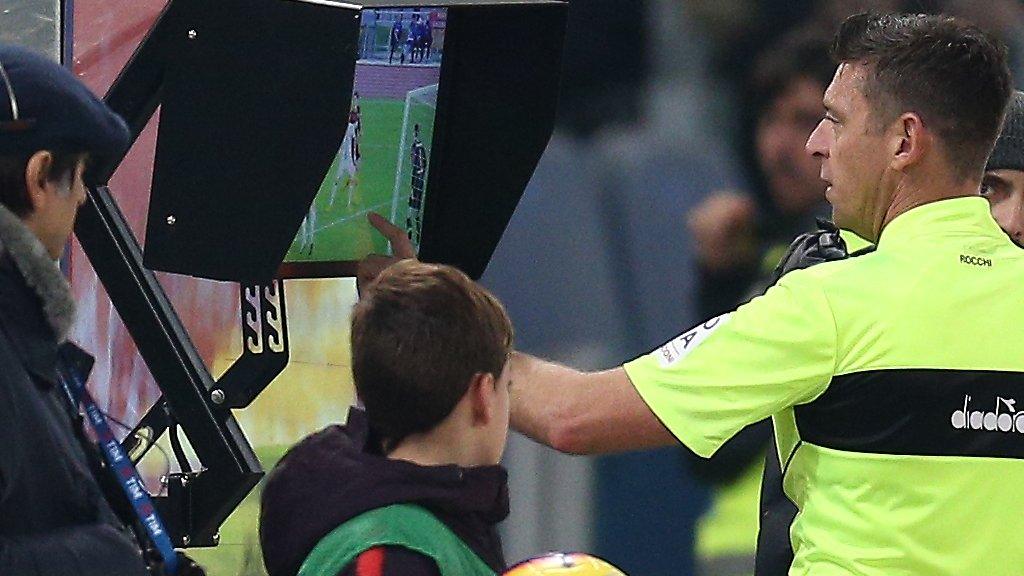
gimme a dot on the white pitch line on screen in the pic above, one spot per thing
(352, 216)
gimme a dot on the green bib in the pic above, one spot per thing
(402, 525)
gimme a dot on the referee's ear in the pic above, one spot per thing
(912, 141)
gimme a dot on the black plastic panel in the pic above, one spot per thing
(252, 94)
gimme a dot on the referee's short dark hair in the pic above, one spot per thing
(419, 334)
(951, 73)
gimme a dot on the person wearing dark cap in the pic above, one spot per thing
(54, 517)
(1003, 183)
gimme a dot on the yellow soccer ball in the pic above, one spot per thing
(568, 564)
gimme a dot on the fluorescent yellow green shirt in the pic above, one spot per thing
(893, 381)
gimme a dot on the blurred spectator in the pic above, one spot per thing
(738, 239)
(738, 234)
(1003, 184)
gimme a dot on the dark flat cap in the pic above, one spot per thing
(1009, 151)
(44, 107)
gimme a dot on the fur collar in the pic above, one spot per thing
(41, 273)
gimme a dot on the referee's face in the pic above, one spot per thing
(852, 154)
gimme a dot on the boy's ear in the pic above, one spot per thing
(481, 398)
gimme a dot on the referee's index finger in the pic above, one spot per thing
(401, 246)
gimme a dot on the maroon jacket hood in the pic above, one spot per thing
(334, 475)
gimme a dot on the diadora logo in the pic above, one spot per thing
(1005, 418)
(975, 261)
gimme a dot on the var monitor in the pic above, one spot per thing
(276, 140)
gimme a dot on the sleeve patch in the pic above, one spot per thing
(679, 347)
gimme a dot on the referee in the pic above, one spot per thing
(893, 378)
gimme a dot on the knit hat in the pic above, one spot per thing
(1009, 151)
(44, 107)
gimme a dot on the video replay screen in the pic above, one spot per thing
(384, 157)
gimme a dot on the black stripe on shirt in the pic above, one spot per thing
(926, 412)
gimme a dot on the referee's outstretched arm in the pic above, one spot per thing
(581, 412)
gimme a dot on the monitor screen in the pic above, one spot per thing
(384, 157)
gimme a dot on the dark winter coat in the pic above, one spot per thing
(53, 517)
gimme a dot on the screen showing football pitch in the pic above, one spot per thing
(384, 157)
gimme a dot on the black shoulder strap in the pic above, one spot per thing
(774, 549)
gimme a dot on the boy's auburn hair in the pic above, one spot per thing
(419, 334)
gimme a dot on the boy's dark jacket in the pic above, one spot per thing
(334, 475)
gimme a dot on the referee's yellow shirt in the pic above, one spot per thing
(896, 383)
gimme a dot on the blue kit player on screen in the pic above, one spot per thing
(395, 41)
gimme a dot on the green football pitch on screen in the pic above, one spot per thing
(340, 228)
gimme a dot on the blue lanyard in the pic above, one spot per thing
(125, 472)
